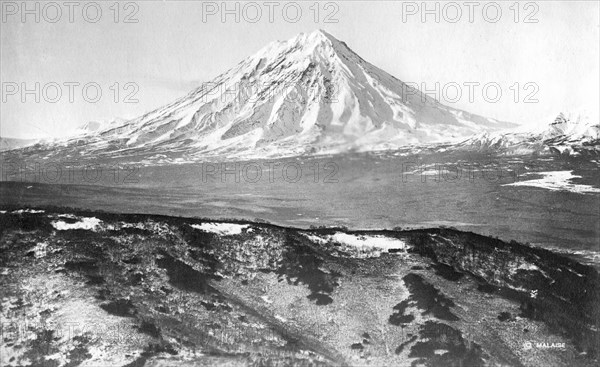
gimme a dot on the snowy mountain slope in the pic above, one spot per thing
(569, 134)
(91, 127)
(13, 143)
(310, 94)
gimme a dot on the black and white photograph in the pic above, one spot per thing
(299, 183)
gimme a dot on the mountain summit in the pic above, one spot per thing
(309, 94)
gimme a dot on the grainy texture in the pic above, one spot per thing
(131, 290)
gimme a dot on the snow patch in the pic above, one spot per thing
(266, 299)
(30, 211)
(361, 241)
(221, 228)
(381, 242)
(528, 267)
(84, 223)
(70, 216)
(557, 181)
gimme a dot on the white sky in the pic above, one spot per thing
(171, 50)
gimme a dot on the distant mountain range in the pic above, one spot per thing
(308, 95)
(566, 135)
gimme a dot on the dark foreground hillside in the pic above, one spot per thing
(100, 289)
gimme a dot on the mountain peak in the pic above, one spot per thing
(305, 43)
(310, 93)
(321, 31)
(313, 39)
(317, 35)
(322, 34)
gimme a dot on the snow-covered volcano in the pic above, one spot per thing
(310, 94)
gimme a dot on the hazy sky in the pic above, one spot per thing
(176, 45)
